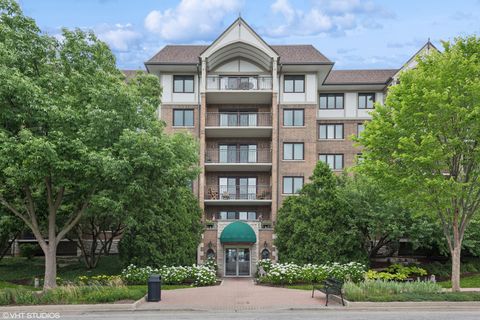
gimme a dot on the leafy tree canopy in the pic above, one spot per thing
(424, 142)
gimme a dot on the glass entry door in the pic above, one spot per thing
(237, 262)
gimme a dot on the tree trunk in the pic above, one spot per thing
(456, 266)
(50, 279)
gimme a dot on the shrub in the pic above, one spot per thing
(366, 290)
(29, 250)
(290, 273)
(70, 294)
(396, 272)
(100, 280)
(196, 275)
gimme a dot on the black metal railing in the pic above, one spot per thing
(238, 119)
(238, 192)
(234, 154)
(259, 83)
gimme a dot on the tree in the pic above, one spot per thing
(67, 117)
(10, 229)
(165, 227)
(381, 218)
(317, 226)
(424, 142)
(102, 223)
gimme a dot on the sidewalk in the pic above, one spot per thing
(237, 294)
(243, 295)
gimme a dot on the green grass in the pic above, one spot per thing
(391, 291)
(164, 287)
(299, 286)
(23, 271)
(5, 285)
(417, 297)
(465, 282)
(71, 295)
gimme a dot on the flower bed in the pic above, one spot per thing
(196, 275)
(397, 272)
(290, 273)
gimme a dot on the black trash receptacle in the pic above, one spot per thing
(154, 288)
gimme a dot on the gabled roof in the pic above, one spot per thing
(427, 48)
(299, 54)
(178, 54)
(129, 74)
(370, 76)
(189, 54)
(239, 30)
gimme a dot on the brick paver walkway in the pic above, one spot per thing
(236, 294)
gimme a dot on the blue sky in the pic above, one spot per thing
(356, 34)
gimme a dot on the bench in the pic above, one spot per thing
(329, 286)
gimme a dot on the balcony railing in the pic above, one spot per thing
(258, 83)
(238, 192)
(233, 154)
(239, 119)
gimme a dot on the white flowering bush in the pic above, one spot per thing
(196, 275)
(289, 273)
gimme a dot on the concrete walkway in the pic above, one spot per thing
(236, 294)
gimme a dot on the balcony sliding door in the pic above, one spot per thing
(248, 153)
(247, 188)
(227, 188)
(228, 153)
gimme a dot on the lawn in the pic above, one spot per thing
(382, 295)
(17, 274)
(22, 271)
(465, 282)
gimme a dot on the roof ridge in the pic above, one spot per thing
(382, 69)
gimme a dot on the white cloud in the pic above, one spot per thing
(325, 17)
(119, 37)
(191, 19)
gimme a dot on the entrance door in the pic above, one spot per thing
(237, 261)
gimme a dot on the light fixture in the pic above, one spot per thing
(265, 244)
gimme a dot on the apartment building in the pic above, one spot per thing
(264, 115)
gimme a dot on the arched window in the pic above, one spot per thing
(210, 254)
(265, 254)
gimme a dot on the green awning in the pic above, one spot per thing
(238, 232)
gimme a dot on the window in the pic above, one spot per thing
(237, 215)
(293, 151)
(293, 117)
(210, 254)
(360, 128)
(331, 131)
(331, 101)
(334, 161)
(265, 254)
(366, 100)
(183, 84)
(231, 153)
(183, 118)
(292, 185)
(294, 84)
(359, 158)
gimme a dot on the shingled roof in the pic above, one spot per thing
(129, 74)
(378, 76)
(188, 54)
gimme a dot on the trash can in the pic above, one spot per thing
(154, 284)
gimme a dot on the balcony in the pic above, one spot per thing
(238, 124)
(238, 83)
(238, 194)
(239, 89)
(243, 158)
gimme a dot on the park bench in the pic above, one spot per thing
(329, 286)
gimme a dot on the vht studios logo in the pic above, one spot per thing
(30, 315)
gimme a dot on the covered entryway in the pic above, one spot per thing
(237, 239)
(237, 262)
